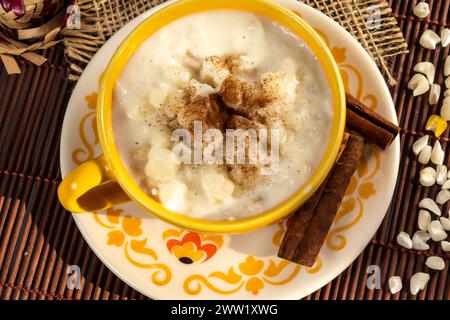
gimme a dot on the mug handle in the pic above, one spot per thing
(90, 187)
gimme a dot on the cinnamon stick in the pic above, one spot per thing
(324, 212)
(300, 220)
(369, 124)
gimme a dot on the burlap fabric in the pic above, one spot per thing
(102, 18)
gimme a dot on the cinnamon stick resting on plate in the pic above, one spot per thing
(369, 124)
(299, 221)
(305, 236)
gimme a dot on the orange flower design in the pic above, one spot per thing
(338, 54)
(131, 227)
(191, 247)
(253, 285)
(252, 267)
(116, 238)
(252, 274)
(126, 233)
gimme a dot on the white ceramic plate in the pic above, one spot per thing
(164, 262)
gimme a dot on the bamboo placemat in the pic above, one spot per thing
(38, 239)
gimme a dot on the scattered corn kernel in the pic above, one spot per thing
(436, 124)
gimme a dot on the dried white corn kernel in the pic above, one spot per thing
(395, 284)
(437, 124)
(418, 84)
(159, 138)
(418, 282)
(441, 174)
(422, 235)
(200, 89)
(216, 185)
(419, 144)
(446, 185)
(214, 71)
(243, 63)
(422, 10)
(437, 154)
(443, 196)
(429, 39)
(176, 75)
(435, 93)
(430, 205)
(447, 93)
(447, 82)
(427, 177)
(424, 220)
(435, 263)
(447, 67)
(445, 37)
(445, 222)
(419, 240)
(419, 244)
(279, 86)
(445, 246)
(425, 155)
(157, 95)
(436, 231)
(445, 109)
(172, 193)
(161, 164)
(404, 240)
(427, 69)
(446, 100)
(140, 154)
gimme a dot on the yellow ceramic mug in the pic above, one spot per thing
(104, 182)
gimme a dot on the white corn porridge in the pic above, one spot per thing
(229, 70)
